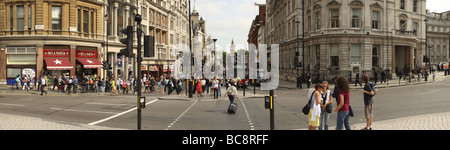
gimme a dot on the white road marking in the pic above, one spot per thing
(248, 116)
(120, 114)
(87, 111)
(18, 105)
(179, 117)
(107, 104)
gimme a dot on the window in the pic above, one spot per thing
(334, 18)
(317, 20)
(356, 18)
(29, 17)
(317, 55)
(85, 21)
(403, 25)
(415, 25)
(11, 21)
(355, 54)
(20, 17)
(415, 6)
(376, 55)
(79, 20)
(375, 20)
(334, 54)
(402, 4)
(92, 22)
(56, 17)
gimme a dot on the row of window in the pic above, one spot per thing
(355, 52)
(23, 15)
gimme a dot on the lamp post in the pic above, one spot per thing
(426, 46)
(303, 39)
(299, 81)
(190, 49)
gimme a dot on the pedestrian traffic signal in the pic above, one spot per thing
(426, 59)
(128, 52)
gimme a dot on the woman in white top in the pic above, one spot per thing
(314, 112)
(328, 99)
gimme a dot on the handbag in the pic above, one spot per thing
(328, 108)
(306, 108)
(350, 111)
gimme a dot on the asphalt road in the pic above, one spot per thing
(208, 114)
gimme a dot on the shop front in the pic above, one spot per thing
(56, 62)
(87, 62)
(20, 61)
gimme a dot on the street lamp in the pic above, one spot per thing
(303, 39)
(297, 53)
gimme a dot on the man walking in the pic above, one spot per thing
(75, 84)
(357, 79)
(43, 85)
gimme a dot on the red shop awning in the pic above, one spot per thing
(58, 64)
(90, 63)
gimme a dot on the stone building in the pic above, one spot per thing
(438, 28)
(51, 38)
(343, 37)
(73, 37)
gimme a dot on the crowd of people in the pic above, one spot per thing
(95, 84)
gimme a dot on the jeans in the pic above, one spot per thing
(231, 97)
(324, 118)
(216, 93)
(342, 118)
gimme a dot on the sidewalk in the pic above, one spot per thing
(437, 121)
(14, 122)
(391, 83)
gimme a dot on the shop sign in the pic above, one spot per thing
(28, 71)
(56, 53)
(86, 54)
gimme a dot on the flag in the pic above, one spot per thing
(256, 4)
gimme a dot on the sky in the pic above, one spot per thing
(231, 19)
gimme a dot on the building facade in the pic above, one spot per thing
(438, 34)
(51, 38)
(345, 37)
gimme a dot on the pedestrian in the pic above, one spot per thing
(69, 85)
(103, 85)
(43, 85)
(199, 88)
(25, 82)
(375, 76)
(326, 106)
(314, 111)
(299, 80)
(434, 75)
(308, 80)
(161, 85)
(357, 81)
(231, 92)
(55, 83)
(75, 84)
(369, 91)
(215, 85)
(18, 82)
(343, 101)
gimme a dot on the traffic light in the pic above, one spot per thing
(128, 52)
(105, 65)
(149, 46)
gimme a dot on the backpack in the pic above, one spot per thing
(230, 91)
(373, 88)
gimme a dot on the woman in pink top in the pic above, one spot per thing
(343, 101)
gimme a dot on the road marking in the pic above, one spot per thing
(87, 111)
(18, 105)
(120, 114)
(182, 114)
(248, 116)
(117, 105)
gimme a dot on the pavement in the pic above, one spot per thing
(437, 121)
